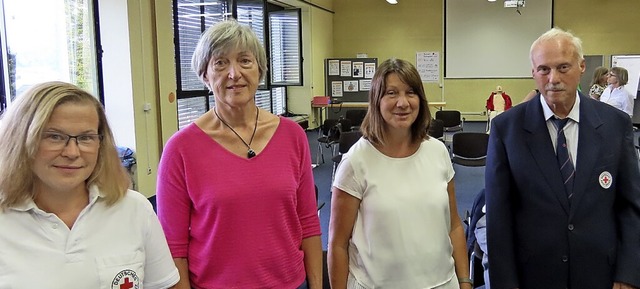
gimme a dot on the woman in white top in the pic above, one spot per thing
(615, 94)
(394, 222)
(67, 217)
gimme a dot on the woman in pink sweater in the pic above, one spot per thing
(235, 188)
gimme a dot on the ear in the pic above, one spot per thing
(583, 66)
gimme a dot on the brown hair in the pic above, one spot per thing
(622, 75)
(21, 129)
(598, 74)
(373, 124)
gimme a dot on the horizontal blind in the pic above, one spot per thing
(279, 100)
(194, 17)
(284, 37)
(189, 109)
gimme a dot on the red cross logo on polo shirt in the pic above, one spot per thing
(605, 180)
(127, 284)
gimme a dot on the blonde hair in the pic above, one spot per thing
(373, 124)
(223, 37)
(21, 129)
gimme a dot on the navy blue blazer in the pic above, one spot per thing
(536, 239)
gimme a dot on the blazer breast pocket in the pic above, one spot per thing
(121, 271)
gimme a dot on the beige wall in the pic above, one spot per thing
(357, 26)
(416, 25)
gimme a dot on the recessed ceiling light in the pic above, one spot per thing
(392, 1)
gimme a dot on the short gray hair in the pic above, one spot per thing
(223, 37)
(557, 33)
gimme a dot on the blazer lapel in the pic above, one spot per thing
(541, 148)
(589, 145)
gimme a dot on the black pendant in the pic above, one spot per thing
(251, 153)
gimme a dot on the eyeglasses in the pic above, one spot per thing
(58, 141)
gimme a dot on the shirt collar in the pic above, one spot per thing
(574, 114)
(94, 195)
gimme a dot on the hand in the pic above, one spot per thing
(466, 286)
(619, 285)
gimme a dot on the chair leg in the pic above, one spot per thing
(319, 155)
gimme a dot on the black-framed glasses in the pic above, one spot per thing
(58, 141)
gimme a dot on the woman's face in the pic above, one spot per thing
(65, 166)
(399, 105)
(612, 78)
(233, 77)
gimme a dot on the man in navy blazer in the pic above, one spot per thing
(541, 234)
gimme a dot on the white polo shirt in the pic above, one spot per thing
(117, 247)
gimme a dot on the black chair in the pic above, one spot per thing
(436, 129)
(452, 120)
(470, 148)
(324, 140)
(347, 140)
(356, 116)
(474, 252)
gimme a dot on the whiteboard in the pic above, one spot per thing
(632, 64)
(485, 40)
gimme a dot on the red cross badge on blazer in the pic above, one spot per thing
(605, 180)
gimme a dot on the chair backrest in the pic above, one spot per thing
(450, 118)
(470, 148)
(436, 129)
(356, 116)
(327, 125)
(347, 140)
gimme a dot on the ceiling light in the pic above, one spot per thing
(392, 1)
(492, 0)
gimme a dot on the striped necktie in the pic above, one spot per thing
(562, 154)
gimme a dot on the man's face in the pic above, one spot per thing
(557, 70)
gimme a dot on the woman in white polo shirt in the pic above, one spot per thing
(68, 219)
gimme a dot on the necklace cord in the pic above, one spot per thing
(250, 153)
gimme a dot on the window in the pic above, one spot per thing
(192, 17)
(286, 49)
(60, 45)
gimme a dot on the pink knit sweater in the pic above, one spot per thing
(239, 222)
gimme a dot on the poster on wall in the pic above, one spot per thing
(336, 88)
(350, 85)
(365, 84)
(345, 68)
(369, 70)
(334, 67)
(358, 69)
(428, 65)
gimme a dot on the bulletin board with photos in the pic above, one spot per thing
(349, 79)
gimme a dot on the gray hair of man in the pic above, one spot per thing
(222, 38)
(555, 34)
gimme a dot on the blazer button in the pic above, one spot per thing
(570, 227)
(565, 259)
